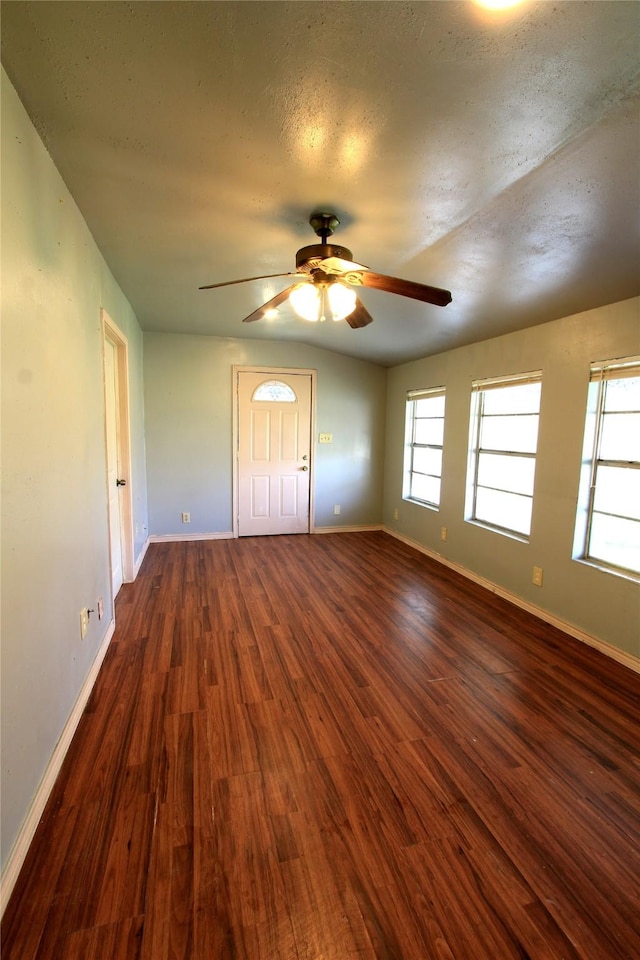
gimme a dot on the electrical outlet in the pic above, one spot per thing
(396, 514)
(537, 576)
(84, 623)
(336, 510)
(186, 518)
(325, 438)
(443, 533)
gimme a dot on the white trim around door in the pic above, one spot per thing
(115, 336)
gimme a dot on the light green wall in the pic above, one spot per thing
(55, 545)
(188, 410)
(601, 604)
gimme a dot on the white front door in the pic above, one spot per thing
(274, 444)
(113, 464)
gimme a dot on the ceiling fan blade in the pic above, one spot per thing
(270, 304)
(360, 317)
(269, 276)
(406, 288)
(336, 265)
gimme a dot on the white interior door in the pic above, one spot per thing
(113, 462)
(274, 443)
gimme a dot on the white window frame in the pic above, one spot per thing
(479, 388)
(413, 396)
(601, 372)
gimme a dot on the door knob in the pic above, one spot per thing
(305, 468)
(305, 457)
(121, 483)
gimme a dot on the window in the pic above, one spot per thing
(424, 430)
(608, 521)
(502, 454)
(275, 390)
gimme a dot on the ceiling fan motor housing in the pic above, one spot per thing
(308, 258)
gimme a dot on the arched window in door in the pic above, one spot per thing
(275, 390)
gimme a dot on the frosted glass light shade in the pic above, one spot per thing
(342, 300)
(305, 300)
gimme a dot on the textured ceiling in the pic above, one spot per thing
(494, 155)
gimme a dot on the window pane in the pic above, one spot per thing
(519, 433)
(524, 398)
(429, 431)
(613, 531)
(427, 460)
(425, 488)
(275, 390)
(618, 491)
(506, 473)
(424, 432)
(620, 439)
(615, 541)
(430, 407)
(508, 510)
(623, 394)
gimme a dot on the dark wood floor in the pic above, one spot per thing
(330, 748)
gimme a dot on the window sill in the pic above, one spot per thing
(422, 503)
(605, 568)
(511, 534)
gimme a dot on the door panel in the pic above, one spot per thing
(260, 435)
(289, 428)
(259, 496)
(274, 442)
(288, 497)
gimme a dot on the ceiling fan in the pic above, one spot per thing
(325, 278)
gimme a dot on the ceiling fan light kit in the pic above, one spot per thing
(324, 280)
(325, 297)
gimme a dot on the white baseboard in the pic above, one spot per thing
(141, 556)
(21, 846)
(178, 537)
(626, 659)
(364, 529)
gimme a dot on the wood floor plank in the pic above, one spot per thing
(334, 748)
(122, 939)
